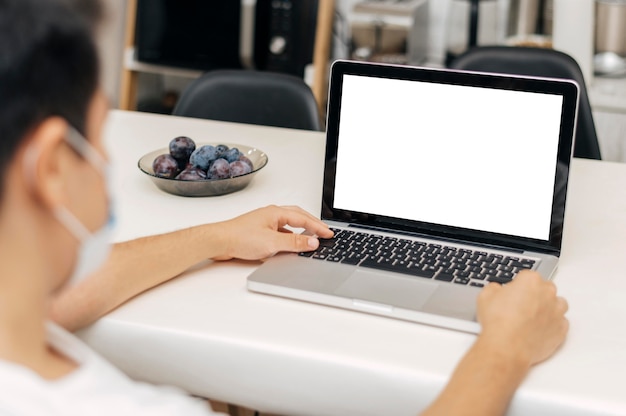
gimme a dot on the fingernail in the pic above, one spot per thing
(313, 242)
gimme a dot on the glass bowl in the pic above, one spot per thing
(204, 187)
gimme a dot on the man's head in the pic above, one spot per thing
(48, 67)
(51, 110)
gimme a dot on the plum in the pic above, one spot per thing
(232, 154)
(191, 174)
(238, 168)
(181, 148)
(246, 160)
(220, 169)
(203, 156)
(165, 166)
(220, 149)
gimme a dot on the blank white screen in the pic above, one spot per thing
(476, 158)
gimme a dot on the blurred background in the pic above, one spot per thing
(153, 48)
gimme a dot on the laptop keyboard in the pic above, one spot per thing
(416, 258)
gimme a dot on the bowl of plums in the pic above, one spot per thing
(203, 169)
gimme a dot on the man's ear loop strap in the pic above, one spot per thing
(79, 143)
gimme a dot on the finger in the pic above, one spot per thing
(527, 275)
(296, 242)
(489, 290)
(305, 213)
(302, 219)
(492, 287)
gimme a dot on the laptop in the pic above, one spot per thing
(436, 183)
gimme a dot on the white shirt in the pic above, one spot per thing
(94, 388)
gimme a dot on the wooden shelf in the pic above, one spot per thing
(132, 64)
(131, 68)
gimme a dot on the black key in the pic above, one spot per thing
(306, 253)
(446, 277)
(480, 276)
(506, 275)
(497, 279)
(461, 281)
(390, 267)
(417, 245)
(458, 266)
(351, 260)
(477, 284)
(326, 242)
(334, 259)
(429, 262)
(521, 265)
(442, 265)
(427, 272)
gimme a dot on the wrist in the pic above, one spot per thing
(218, 245)
(507, 353)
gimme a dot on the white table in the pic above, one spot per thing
(204, 332)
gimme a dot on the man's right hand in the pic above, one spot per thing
(526, 316)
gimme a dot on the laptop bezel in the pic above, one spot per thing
(568, 89)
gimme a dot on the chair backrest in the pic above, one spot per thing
(538, 62)
(254, 97)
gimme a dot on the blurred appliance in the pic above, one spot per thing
(285, 35)
(610, 38)
(530, 23)
(392, 31)
(611, 26)
(471, 23)
(276, 35)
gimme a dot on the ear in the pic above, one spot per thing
(46, 161)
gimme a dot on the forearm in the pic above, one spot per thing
(483, 383)
(138, 265)
(134, 267)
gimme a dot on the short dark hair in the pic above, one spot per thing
(48, 67)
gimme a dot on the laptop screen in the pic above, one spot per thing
(465, 154)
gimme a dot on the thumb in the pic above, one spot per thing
(297, 242)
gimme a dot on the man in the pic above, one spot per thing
(55, 262)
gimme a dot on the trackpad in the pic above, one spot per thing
(387, 289)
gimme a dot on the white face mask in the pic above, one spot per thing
(94, 247)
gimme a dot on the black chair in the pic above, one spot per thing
(254, 97)
(538, 62)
